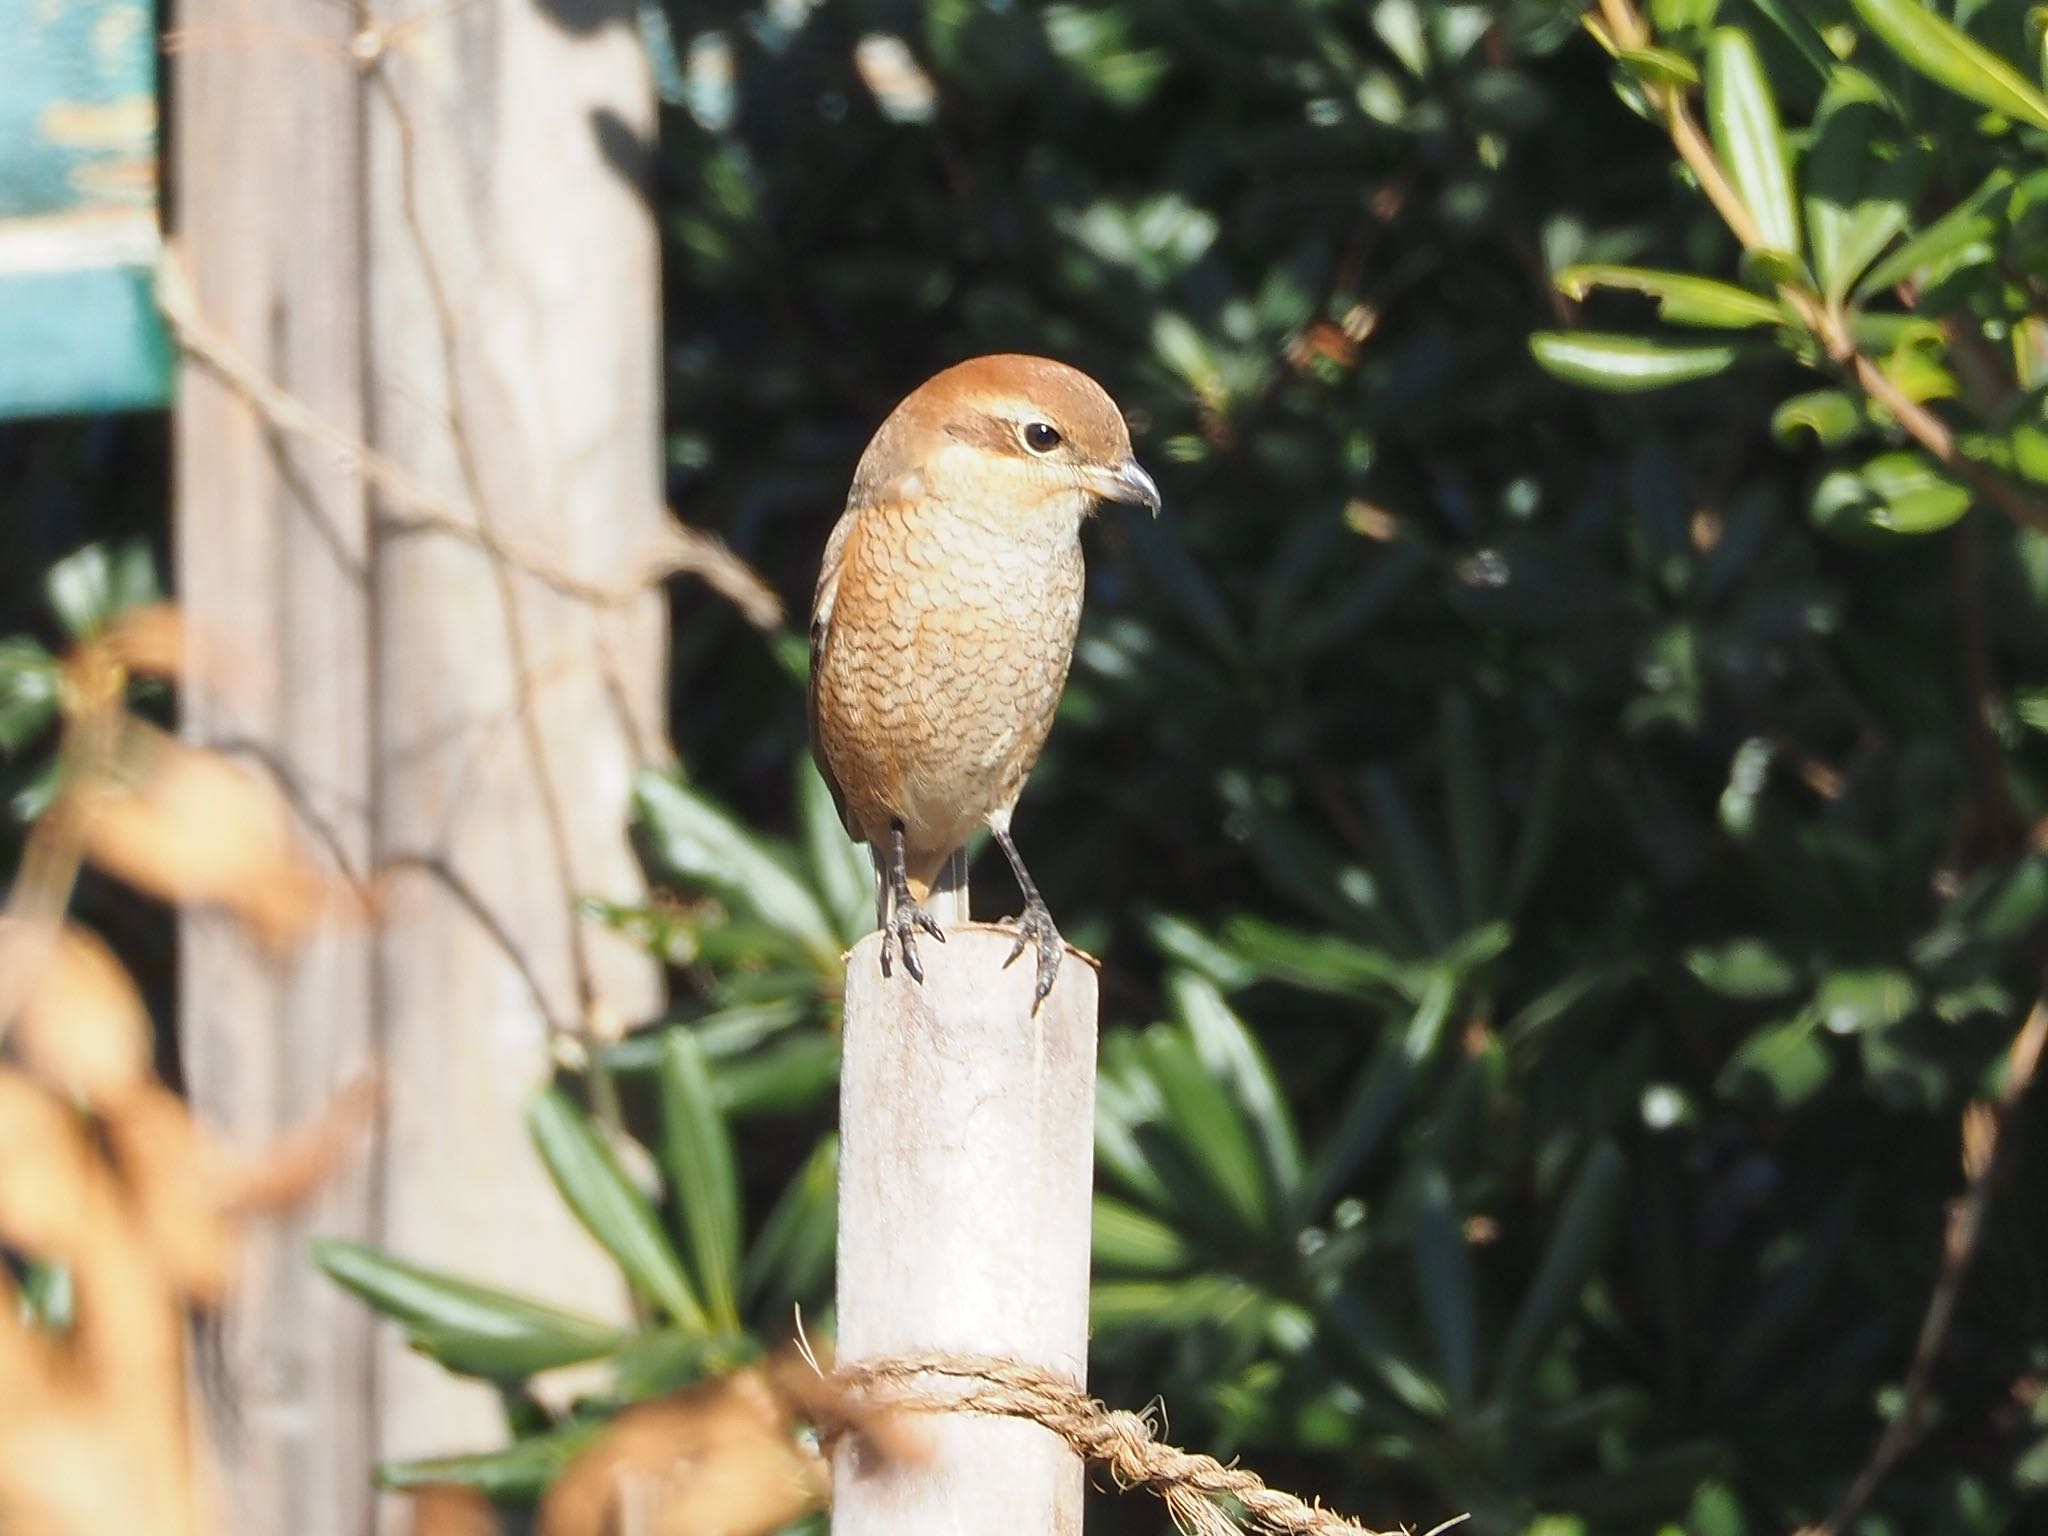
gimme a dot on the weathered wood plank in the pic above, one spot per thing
(513, 327)
(273, 566)
(356, 230)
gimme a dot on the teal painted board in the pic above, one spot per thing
(78, 209)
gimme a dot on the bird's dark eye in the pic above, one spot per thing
(1041, 437)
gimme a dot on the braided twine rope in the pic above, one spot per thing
(1197, 1489)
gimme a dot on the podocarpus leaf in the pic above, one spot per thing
(697, 1156)
(1577, 1239)
(1443, 1278)
(843, 871)
(518, 1474)
(610, 1207)
(699, 840)
(791, 1259)
(477, 1329)
(1233, 1054)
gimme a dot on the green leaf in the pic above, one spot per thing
(1916, 497)
(792, 1257)
(519, 1474)
(1831, 415)
(1420, 873)
(1974, 222)
(1748, 970)
(703, 1182)
(1130, 1241)
(1789, 19)
(79, 589)
(1305, 866)
(1683, 15)
(88, 588)
(1232, 1055)
(1742, 116)
(1170, 1306)
(1096, 44)
(477, 1330)
(1681, 298)
(608, 1205)
(1783, 1058)
(1853, 1002)
(29, 681)
(1209, 1125)
(698, 840)
(1378, 1093)
(49, 1297)
(1762, 268)
(1895, 493)
(1625, 363)
(661, 1360)
(1856, 202)
(1659, 66)
(844, 873)
(791, 1075)
(1357, 1329)
(1321, 962)
(1950, 57)
(1443, 1278)
(1578, 1238)
(1185, 944)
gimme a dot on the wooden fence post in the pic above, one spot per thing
(966, 1166)
(424, 226)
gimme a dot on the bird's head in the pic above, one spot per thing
(1013, 437)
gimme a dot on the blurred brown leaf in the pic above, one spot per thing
(192, 827)
(47, 1171)
(718, 1459)
(149, 640)
(798, 1375)
(301, 1160)
(178, 1180)
(82, 1026)
(443, 1509)
(62, 1471)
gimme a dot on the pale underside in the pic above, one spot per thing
(940, 646)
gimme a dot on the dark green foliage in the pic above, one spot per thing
(1574, 841)
(1561, 858)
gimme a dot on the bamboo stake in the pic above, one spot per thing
(967, 1124)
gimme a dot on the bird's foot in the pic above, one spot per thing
(904, 922)
(1034, 926)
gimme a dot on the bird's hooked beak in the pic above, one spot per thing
(1127, 483)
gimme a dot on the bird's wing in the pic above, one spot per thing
(821, 636)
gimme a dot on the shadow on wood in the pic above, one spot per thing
(967, 1124)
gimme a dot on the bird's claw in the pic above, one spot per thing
(1034, 926)
(904, 922)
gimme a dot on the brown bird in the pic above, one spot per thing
(945, 619)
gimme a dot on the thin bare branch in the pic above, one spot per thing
(1983, 1137)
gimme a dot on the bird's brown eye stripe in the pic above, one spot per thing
(1041, 436)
